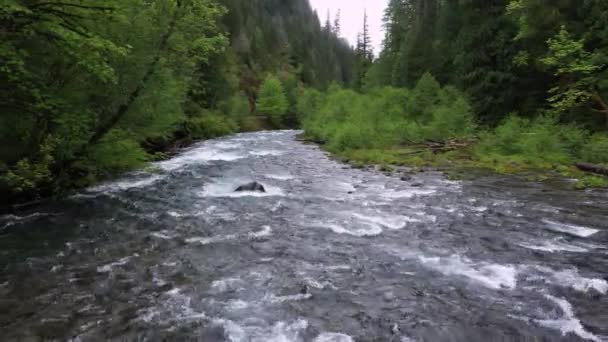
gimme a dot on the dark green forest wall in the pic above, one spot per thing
(523, 56)
(506, 85)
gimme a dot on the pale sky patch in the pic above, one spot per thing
(352, 17)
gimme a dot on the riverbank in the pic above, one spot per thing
(462, 162)
(84, 174)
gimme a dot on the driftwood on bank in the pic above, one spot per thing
(587, 167)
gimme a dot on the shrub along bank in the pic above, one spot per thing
(435, 126)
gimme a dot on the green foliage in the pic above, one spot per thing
(386, 117)
(272, 101)
(596, 149)
(118, 151)
(210, 125)
(541, 141)
(105, 78)
(308, 102)
(236, 108)
(571, 62)
(537, 140)
(587, 182)
(28, 175)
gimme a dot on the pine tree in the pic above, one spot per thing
(327, 27)
(367, 49)
(337, 24)
(364, 55)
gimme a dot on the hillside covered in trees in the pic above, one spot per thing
(93, 88)
(509, 85)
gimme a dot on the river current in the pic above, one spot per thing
(327, 254)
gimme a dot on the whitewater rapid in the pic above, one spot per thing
(327, 254)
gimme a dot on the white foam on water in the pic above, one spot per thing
(227, 145)
(360, 230)
(277, 206)
(15, 219)
(407, 193)
(388, 221)
(227, 189)
(213, 239)
(175, 306)
(573, 279)
(237, 304)
(215, 212)
(126, 184)
(570, 228)
(339, 268)
(264, 153)
(199, 155)
(266, 231)
(568, 323)
(162, 235)
(280, 332)
(570, 278)
(553, 246)
(280, 177)
(333, 337)
(108, 267)
(225, 284)
(493, 276)
(174, 213)
(319, 284)
(271, 298)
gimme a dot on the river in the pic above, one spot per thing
(327, 254)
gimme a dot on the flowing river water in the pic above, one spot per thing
(327, 254)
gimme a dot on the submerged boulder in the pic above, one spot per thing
(253, 186)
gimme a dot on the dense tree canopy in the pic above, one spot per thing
(91, 88)
(508, 56)
(500, 84)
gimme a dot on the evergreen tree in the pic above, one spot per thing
(337, 24)
(364, 55)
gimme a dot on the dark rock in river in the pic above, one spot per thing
(253, 186)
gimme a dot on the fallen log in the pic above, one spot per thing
(587, 167)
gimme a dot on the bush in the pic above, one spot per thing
(386, 117)
(209, 125)
(236, 108)
(272, 101)
(308, 103)
(541, 140)
(596, 149)
(117, 152)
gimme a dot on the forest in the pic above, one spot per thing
(507, 85)
(92, 89)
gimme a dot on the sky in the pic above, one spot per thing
(352, 17)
